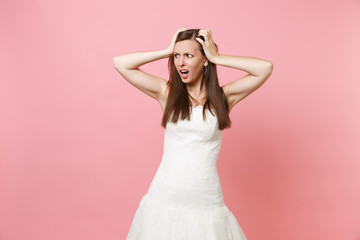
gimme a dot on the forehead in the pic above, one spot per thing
(186, 46)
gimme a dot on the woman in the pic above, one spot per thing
(185, 199)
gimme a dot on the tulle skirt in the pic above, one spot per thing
(158, 220)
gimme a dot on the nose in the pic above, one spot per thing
(181, 61)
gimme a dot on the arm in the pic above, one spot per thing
(259, 71)
(128, 66)
(132, 61)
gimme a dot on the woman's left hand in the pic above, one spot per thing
(209, 46)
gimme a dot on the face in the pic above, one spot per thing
(187, 57)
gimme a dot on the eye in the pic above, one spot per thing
(189, 55)
(176, 55)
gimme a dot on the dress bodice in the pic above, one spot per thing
(188, 166)
(195, 140)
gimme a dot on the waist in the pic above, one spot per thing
(188, 196)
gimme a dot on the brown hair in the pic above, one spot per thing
(178, 101)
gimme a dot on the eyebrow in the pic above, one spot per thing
(185, 53)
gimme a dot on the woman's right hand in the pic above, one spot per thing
(170, 49)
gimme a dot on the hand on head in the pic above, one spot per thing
(172, 44)
(208, 45)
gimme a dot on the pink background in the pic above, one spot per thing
(80, 145)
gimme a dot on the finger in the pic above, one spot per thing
(203, 31)
(207, 31)
(200, 40)
(206, 36)
(178, 31)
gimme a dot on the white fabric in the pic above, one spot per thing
(185, 199)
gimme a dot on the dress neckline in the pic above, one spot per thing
(201, 107)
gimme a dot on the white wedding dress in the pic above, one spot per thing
(185, 199)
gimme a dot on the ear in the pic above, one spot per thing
(206, 62)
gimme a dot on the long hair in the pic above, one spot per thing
(178, 101)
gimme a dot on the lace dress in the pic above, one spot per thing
(185, 199)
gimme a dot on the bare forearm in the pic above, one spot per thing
(136, 59)
(252, 65)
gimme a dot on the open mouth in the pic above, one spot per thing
(184, 73)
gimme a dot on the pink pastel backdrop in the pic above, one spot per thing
(80, 145)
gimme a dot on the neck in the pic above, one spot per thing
(196, 90)
(197, 96)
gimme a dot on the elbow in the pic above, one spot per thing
(117, 63)
(269, 68)
(266, 71)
